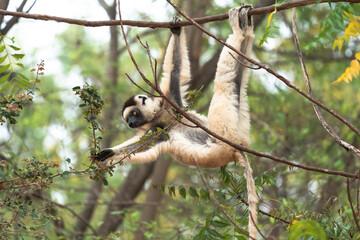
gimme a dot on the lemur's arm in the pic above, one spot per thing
(174, 85)
(144, 147)
(176, 67)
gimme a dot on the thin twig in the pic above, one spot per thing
(146, 46)
(265, 213)
(256, 226)
(70, 210)
(142, 89)
(149, 24)
(269, 70)
(240, 62)
(322, 120)
(213, 134)
(351, 205)
(357, 196)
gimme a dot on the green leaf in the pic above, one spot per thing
(68, 160)
(14, 47)
(2, 48)
(307, 228)
(65, 173)
(204, 194)
(105, 182)
(76, 88)
(5, 87)
(193, 193)
(182, 191)
(20, 65)
(23, 83)
(218, 224)
(215, 233)
(4, 68)
(18, 56)
(4, 78)
(2, 59)
(171, 189)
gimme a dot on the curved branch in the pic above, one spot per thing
(269, 70)
(213, 134)
(149, 24)
(322, 120)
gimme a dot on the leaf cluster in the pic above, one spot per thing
(10, 63)
(92, 104)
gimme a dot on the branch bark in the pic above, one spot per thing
(268, 69)
(149, 24)
(322, 120)
(154, 196)
(127, 193)
(213, 134)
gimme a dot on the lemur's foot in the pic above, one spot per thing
(239, 18)
(175, 30)
(104, 154)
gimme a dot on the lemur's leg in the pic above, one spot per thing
(228, 114)
(176, 67)
(174, 85)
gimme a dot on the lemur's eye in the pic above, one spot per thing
(134, 113)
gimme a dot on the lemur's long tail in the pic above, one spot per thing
(251, 190)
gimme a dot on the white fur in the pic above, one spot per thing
(227, 116)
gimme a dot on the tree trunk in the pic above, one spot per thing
(124, 198)
(112, 74)
(154, 195)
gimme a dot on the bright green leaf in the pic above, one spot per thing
(193, 193)
(4, 78)
(307, 228)
(18, 56)
(182, 191)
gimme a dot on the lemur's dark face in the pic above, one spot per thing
(140, 109)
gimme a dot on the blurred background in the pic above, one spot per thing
(148, 201)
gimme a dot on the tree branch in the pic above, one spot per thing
(149, 24)
(351, 205)
(70, 210)
(269, 70)
(322, 120)
(213, 134)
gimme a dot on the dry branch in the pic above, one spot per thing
(213, 134)
(322, 120)
(150, 24)
(268, 69)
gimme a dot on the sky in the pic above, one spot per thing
(38, 39)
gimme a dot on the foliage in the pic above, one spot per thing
(344, 17)
(306, 229)
(40, 192)
(10, 61)
(351, 31)
(270, 30)
(92, 105)
(11, 106)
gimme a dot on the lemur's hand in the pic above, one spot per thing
(175, 30)
(239, 19)
(104, 154)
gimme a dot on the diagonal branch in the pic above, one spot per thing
(323, 122)
(70, 210)
(351, 205)
(213, 134)
(269, 70)
(149, 24)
